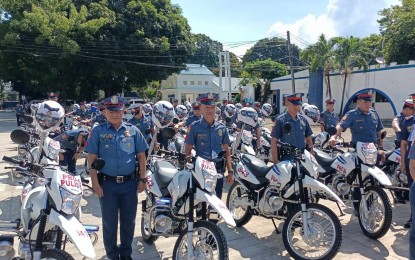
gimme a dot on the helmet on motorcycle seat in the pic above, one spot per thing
(248, 115)
(238, 107)
(311, 113)
(230, 110)
(49, 115)
(181, 111)
(147, 108)
(163, 114)
(266, 109)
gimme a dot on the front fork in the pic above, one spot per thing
(190, 253)
(303, 202)
(362, 194)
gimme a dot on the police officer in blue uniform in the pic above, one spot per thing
(142, 123)
(209, 137)
(19, 113)
(329, 118)
(412, 201)
(100, 117)
(402, 124)
(407, 136)
(257, 107)
(300, 135)
(83, 112)
(121, 145)
(363, 121)
(72, 142)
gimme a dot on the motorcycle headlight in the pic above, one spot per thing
(70, 201)
(210, 181)
(172, 147)
(370, 157)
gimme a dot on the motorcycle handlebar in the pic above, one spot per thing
(12, 160)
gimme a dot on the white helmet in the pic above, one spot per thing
(230, 110)
(217, 112)
(188, 106)
(163, 114)
(147, 109)
(266, 109)
(49, 115)
(76, 106)
(181, 111)
(248, 115)
(311, 113)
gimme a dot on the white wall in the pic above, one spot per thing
(396, 81)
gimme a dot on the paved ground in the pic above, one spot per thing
(257, 240)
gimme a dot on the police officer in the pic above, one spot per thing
(222, 107)
(53, 96)
(412, 201)
(209, 137)
(197, 115)
(19, 113)
(257, 107)
(72, 142)
(100, 118)
(121, 145)
(402, 124)
(329, 118)
(363, 121)
(407, 136)
(142, 123)
(301, 132)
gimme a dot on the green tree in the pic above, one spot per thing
(349, 53)
(206, 51)
(274, 49)
(374, 43)
(261, 72)
(321, 55)
(397, 25)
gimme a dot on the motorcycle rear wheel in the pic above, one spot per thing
(325, 233)
(55, 254)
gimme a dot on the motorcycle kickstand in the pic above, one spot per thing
(341, 211)
(275, 226)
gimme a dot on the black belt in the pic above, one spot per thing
(117, 179)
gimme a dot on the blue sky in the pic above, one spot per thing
(247, 20)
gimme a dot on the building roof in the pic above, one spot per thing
(196, 69)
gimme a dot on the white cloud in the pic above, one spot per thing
(342, 18)
(238, 50)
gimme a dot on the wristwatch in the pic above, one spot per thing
(143, 180)
(230, 171)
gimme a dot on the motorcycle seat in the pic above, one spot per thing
(323, 159)
(256, 166)
(164, 173)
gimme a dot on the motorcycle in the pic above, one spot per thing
(281, 191)
(354, 177)
(50, 209)
(264, 153)
(171, 199)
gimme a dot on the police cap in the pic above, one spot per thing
(115, 103)
(208, 99)
(366, 96)
(295, 99)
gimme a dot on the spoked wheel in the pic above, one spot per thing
(55, 254)
(237, 195)
(325, 233)
(145, 224)
(376, 220)
(208, 243)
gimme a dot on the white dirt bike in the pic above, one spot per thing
(281, 191)
(172, 196)
(50, 207)
(354, 177)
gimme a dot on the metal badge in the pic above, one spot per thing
(107, 146)
(127, 133)
(220, 132)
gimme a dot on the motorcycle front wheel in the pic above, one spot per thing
(241, 214)
(379, 213)
(145, 225)
(325, 233)
(55, 254)
(208, 243)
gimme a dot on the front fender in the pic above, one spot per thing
(217, 204)
(248, 149)
(377, 173)
(311, 183)
(75, 231)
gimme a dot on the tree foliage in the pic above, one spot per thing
(206, 51)
(397, 25)
(274, 49)
(80, 46)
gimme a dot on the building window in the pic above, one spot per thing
(199, 83)
(192, 83)
(206, 83)
(185, 82)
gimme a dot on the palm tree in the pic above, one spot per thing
(321, 55)
(349, 53)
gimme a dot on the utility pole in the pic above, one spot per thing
(290, 57)
(225, 66)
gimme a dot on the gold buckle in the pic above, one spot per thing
(120, 179)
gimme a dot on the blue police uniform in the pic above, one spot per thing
(118, 147)
(300, 130)
(401, 119)
(192, 119)
(408, 134)
(207, 141)
(142, 124)
(70, 147)
(329, 119)
(19, 113)
(364, 127)
(80, 112)
(100, 119)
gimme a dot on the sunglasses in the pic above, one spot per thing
(196, 108)
(330, 103)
